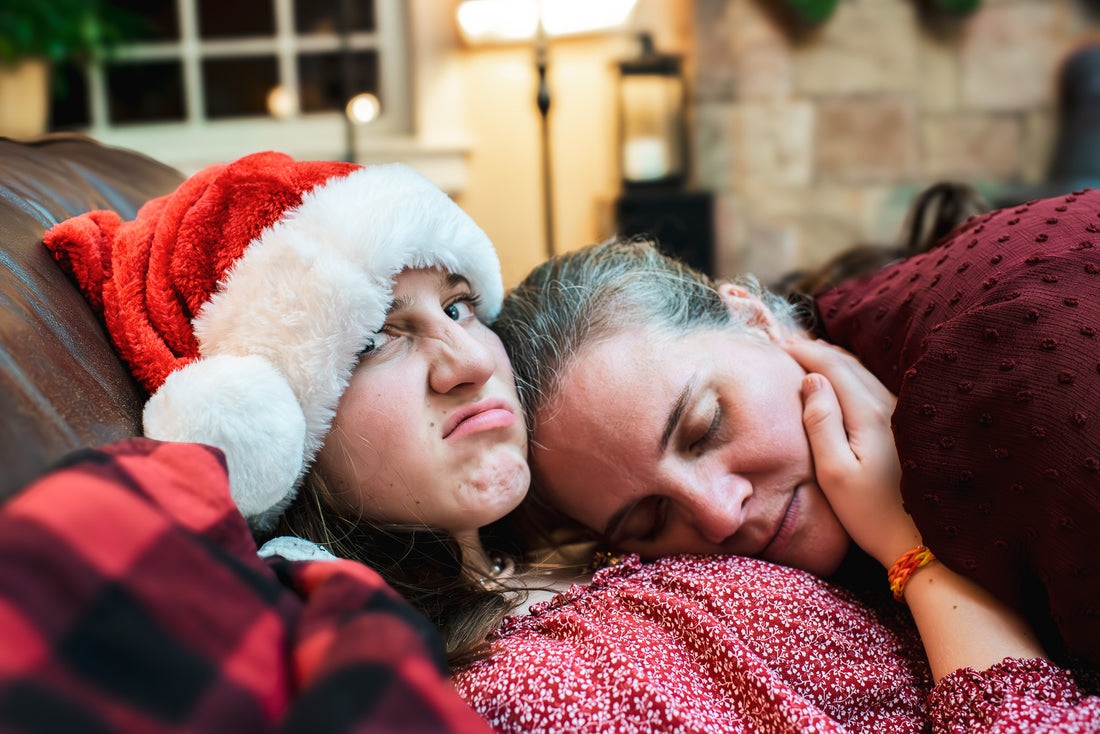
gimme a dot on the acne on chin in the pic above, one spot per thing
(505, 473)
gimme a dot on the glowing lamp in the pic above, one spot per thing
(651, 118)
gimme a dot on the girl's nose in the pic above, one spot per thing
(461, 362)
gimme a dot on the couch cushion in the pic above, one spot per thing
(61, 385)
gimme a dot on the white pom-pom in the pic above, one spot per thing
(246, 408)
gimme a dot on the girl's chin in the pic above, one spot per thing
(503, 483)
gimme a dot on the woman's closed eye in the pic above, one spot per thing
(657, 523)
(709, 435)
(644, 522)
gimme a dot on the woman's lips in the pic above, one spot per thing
(785, 530)
(484, 415)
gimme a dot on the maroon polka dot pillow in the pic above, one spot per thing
(991, 343)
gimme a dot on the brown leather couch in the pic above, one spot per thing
(62, 387)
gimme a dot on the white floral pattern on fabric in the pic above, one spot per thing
(725, 644)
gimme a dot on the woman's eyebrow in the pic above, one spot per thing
(676, 415)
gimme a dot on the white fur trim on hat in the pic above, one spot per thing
(243, 406)
(306, 295)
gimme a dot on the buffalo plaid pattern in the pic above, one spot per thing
(132, 599)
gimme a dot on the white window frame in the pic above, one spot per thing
(405, 28)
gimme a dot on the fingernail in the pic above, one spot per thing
(811, 384)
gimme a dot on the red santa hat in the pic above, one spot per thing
(241, 300)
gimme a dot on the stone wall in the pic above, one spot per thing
(815, 140)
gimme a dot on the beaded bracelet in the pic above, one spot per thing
(904, 567)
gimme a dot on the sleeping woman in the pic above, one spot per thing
(324, 325)
(989, 339)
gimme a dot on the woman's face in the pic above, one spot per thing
(429, 430)
(688, 444)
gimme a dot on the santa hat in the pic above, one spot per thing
(241, 300)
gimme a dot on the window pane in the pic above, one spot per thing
(69, 103)
(223, 19)
(160, 18)
(147, 92)
(323, 16)
(238, 87)
(322, 84)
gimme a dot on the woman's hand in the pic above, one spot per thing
(846, 412)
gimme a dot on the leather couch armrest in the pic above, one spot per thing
(62, 386)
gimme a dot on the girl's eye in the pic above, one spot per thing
(459, 310)
(374, 343)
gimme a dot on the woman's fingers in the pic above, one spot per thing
(861, 373)
(861, 395)
(835, 363)
(824, 423)
(847, 423)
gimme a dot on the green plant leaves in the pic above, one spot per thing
(62, 30)
(812, 11)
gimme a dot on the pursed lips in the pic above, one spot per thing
(486, 414)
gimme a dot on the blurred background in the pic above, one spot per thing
(758, 135)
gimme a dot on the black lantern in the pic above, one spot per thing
(652, 148)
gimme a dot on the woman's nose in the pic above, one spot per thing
(461, 362)
(714, 507)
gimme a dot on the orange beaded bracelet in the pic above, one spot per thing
(904, 567)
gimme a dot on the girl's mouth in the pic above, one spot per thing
(484, 415)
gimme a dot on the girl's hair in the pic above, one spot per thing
(933, 214)
(589, 294)
(422, 564)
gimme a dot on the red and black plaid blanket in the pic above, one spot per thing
(132, 599)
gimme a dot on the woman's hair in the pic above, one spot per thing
(587, 295)
(422, 564)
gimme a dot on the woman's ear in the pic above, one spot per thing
(749, 308)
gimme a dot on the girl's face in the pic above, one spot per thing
(429, 430)
(688, 444)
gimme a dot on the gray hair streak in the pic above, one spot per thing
(580, 297)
